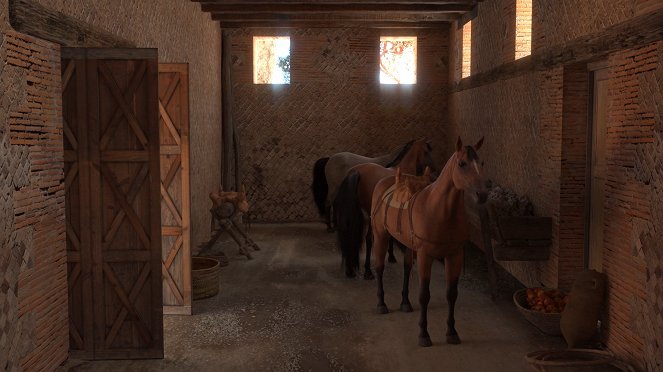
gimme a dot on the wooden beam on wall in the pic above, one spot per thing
(638, 31)
(34, 19)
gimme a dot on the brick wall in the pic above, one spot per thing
(172, 26)
(334, 103)
(33, 285)
(33, 279)
(536, 131)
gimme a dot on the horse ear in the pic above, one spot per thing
(398, 175)
(459, 144)
(427, 171)
(243, 189)
(478, 145)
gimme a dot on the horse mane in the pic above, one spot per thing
(400, 155)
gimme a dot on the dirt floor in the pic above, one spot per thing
(292, 309)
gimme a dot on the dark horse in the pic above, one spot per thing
(328, 173)
(353, 203)
(433, 225)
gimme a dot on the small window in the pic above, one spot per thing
(271, 60)
(523, 28)
(467, 50)
(398, 60)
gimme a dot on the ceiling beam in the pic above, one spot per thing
(412, 17)
(330, 24)
(335, 7)
(342, 2)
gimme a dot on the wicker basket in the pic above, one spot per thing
(576, 360)
(547, 323)
(204, 277)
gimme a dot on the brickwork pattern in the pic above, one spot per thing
(553, 139)
(559, 21)
(183, 34)
(633, 260)
(33, 322)
(334, 103)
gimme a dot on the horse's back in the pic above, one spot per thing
(338, 167)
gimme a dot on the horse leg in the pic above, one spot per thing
(380, 249)
(328, 219)
(368, 273)
(424, 264)
(452, 268)
(392, 258)
(406, 307)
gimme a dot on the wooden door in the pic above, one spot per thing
(110, 105)
(175, 197)
(597, 167)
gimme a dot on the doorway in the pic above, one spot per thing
(597, 165)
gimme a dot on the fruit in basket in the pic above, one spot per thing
(546, 301)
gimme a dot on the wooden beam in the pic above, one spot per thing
(29, 17)
(330, 24)
(343, 2)
(637, 31)
(335, 7)
(334, 17)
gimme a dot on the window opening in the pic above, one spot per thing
(271, 60)
(398, 60)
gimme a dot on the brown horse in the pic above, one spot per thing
(353, 202)
(432, 225)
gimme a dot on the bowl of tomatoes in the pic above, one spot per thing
(542, 307)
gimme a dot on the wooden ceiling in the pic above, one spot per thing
(338, 13)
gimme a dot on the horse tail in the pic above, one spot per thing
(320, 187)
(349, 222)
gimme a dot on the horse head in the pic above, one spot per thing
(468, 171)
(419, 157)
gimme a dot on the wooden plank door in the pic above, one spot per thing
(175, 197)
(112, 188)
(597, 168)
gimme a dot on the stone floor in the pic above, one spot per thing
(291, 309)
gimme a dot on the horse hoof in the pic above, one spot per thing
(453, 339)
(406, 308)
(425, 342)
(368, 275)
(392, 259)
(383, 309)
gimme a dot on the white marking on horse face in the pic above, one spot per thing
(476, 166)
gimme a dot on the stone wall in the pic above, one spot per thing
(33, 281)
(183, 34)
(33, 273)
(535, 125)
(334, 103)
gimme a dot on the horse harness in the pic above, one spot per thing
(387, 201)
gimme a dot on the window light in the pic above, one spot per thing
(398, 60)
(271, 60)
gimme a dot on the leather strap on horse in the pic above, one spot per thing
(412, 233)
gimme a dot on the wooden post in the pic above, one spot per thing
(488, 249)
(227, 129)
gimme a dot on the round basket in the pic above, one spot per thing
(547, 323)
(204, 277)
(577, 360)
